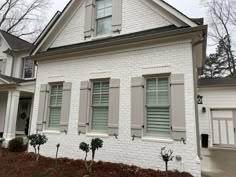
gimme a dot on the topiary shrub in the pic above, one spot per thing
(95, 145)
(36, 141)
(16, 145)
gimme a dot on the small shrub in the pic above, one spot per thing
(36, 141)
(95, 145)
(16, 145)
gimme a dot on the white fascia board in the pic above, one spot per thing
(174, 12)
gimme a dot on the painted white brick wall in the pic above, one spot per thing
(217, 97)
(175, 58)
(136, 16)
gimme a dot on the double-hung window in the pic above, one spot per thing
(55, 103)
(157, 107)
(100, 105)
(103, 17)
(28, 69)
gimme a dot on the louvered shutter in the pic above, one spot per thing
(3, 66)
(84, 105)
(65, 109)
(178, 107)
(114, 104)
(116, 15)
(89, 18)
(42, 108)
(137, 106)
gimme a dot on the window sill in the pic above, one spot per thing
(99, 135)
(57, 132)
(161, 140)
(102, 37)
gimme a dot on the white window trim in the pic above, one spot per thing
(146, 135)
(50, 129)
(90, 130)
(23, 71)
(95, 25)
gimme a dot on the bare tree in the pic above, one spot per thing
(222, 22)
(23, 17)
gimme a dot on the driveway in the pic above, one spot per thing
(218, 163)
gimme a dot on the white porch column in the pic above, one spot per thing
(11, 115)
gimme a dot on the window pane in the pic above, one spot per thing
(108, 3)
(55, 105)
(28, 68)
(100, 13)
(158, 120)
(100, 103)
(100, 118)
(54, 117)
(104, 26)
(100, 4)
(28, 73)
(108, 11)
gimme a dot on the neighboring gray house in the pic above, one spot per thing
(124, 71)
(17, 85)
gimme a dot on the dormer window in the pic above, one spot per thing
(103, 17)
(28, 69)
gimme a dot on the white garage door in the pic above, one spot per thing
(223, 125)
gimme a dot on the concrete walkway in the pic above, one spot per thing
(218, 163)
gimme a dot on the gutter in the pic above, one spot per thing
(116, 41)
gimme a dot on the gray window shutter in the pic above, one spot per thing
(89, 18)
(4, 64)
(42, 111)
(84, 105)
(178, 107)
(65, 107)
(116, 15)
(137, 106)
(114, 100)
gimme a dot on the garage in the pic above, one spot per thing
(223, 127)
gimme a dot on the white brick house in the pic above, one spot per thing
(17, 85)
(124, 71)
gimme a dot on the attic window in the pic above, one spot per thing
(103, 17)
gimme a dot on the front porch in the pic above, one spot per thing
(16, 100)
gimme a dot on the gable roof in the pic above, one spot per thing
(71, 7)
(216, 82)
(16, 43)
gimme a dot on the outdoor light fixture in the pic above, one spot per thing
(203, 109)
(199, 99)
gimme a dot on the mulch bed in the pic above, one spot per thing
(24, 165)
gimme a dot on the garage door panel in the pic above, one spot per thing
(226, 114)
(216, 133)
(231, 132)
(223, 132)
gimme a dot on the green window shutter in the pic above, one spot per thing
(157, 106)
(85, 91)
(178, 107)
(114, 104)
(137, 106)
(55, 105)
(43, 98)
(89, 18)
(100, 105)
(116, 15)
(65, 111)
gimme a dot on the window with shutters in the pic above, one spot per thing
(157, 107)
(100, 106)
(55, 103)
(103, 17)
